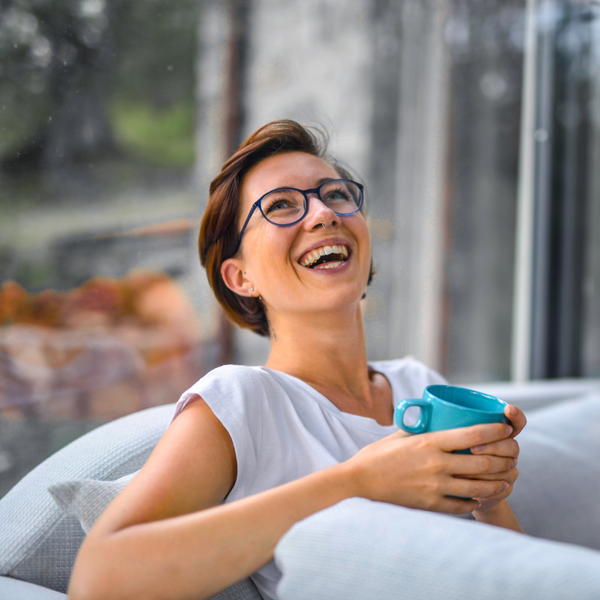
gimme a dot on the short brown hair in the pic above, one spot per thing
(219, 232)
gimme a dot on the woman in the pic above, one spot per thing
(252, 450)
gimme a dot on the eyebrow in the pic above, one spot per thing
(324, 179)
(319, 182)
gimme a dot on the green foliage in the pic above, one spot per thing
(158, 52)
(123, 52)
(33, 274)
(163, 136)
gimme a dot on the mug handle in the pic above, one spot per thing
(422, 423)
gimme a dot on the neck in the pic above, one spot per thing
(327, 352)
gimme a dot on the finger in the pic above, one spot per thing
(517, 419)
(507, 447)
(473, 466)
(477, 488)
(504, 493)
(468, 437)
(457, 506)
(510, 476)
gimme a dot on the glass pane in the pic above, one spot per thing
(99, 309)
(485, 41)
(591, 280)
(565, 305)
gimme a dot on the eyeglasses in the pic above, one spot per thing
(287, 206)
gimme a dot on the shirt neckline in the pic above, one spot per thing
(358, 421)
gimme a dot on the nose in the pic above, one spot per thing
(319, 214)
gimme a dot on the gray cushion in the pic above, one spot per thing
(38, 542)
(87, 499)
(557, 494)
(360, 550)
(14, 589)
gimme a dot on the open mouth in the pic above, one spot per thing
(325, 257)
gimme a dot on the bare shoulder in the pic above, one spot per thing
(193, 467)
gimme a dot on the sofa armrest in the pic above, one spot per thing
(533, 395)
(15, 589)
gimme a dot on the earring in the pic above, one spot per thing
(252, 289)
(260, 297)
(243, 272)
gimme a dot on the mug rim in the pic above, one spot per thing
(470, 391)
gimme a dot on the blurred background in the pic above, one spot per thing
(475, 125)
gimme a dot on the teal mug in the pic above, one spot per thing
(448, 407)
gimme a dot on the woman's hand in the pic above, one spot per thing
(507, 448)
(421, 471)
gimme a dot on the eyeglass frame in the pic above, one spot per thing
(305, 193)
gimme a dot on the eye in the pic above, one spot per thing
(275, 205)
(282, 204)
(337, 195)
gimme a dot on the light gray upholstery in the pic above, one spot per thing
(87, 499)
(557, 494)
(15, 589)
(38, 541)
(362, 550)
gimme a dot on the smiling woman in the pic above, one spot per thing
(253, 450)
(269, 253)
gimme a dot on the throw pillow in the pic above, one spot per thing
(87, 499)
(360, 550)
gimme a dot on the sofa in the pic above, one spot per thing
(357, 549)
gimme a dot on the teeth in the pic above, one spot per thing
(324, 251)
(331, 265)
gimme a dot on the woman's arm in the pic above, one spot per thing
(167, 535)
(500, 514)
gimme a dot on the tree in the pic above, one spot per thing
(62, 63)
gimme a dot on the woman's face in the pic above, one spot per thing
(276, 259)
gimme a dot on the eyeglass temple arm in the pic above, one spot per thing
(254, 207)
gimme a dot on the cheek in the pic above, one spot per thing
(269, 254)
(363, 235)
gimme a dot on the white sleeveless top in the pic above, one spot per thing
(283, 429)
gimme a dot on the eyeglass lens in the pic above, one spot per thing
(288, 205)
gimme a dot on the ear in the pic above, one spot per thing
(234, 277)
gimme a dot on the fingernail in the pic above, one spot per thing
(504, 486)
(477, 448)
(478, 506)
(512, 410)
(509, 430)
(514, 463)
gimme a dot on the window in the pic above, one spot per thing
(98, 218)
(474, 125)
